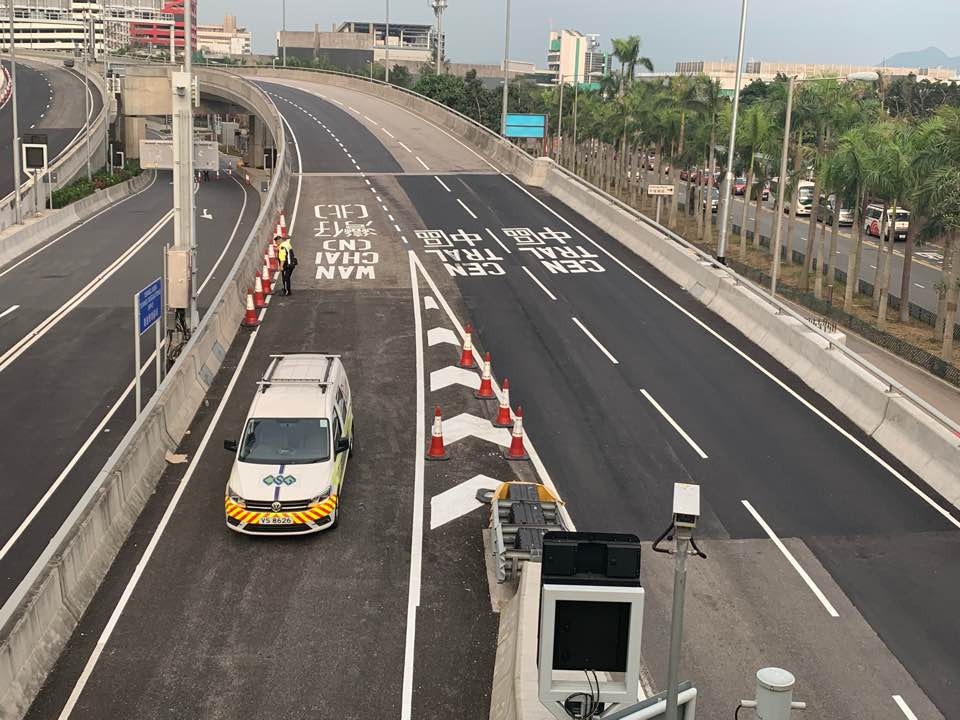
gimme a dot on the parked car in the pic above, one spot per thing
(714, 200)
(740, 186)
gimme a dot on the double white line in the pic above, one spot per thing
(51, 320)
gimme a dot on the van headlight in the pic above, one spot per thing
(234, 498)
(321, 497)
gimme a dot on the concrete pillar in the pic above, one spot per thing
(256, 142)
(134, 130)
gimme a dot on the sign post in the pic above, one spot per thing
(147, 311)
(659, 192)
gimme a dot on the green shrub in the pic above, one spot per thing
(79, 189)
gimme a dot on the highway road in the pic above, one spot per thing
(66, 349)
(825, 555)
(51, 102)
(927, 261)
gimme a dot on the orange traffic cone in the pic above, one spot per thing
(466, 356)
(283, 219)
(266, 280)
(437, 450)
(516, 450)
(504, 419)
(272, 259)
(259, 301)
(486, 382)
(250, 319)
(281, 231)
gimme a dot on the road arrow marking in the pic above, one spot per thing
(206, 215)
(465, 425)
(458, 501)
(438, 335)
(451, 375)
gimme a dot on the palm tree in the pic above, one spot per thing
(817, 103)
(754, 132)
(901, 181)
(943, 190)
(686, 99)
(712, 101)
(627, 52)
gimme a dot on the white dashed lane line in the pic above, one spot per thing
(425, 166)
(442, 183)
(387, 132)
(406, 148)
(469, 211)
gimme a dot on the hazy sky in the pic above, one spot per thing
(851, 31)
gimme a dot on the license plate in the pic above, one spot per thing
(270, 520)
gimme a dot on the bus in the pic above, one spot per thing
(804, 205)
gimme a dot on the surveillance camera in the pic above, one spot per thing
(686, 505)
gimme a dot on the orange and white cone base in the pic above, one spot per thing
(437, 451)
(517, 451)
(466, 355)
(250, 318)
(486, 382)
(504, 418)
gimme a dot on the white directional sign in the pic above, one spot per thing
(158, 155)
(661, 190)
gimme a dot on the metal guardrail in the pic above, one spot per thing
(892, 384)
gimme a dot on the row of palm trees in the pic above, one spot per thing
(841, 139)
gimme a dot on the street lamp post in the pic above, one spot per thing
(386, 42)
(16, 130)
(728, 176)
(506, 73)
(283, 33)
(560, 122)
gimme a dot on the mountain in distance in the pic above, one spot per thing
(931, 57)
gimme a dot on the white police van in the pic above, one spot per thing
(288, 472)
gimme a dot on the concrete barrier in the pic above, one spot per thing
(37, 620)
(55, 222)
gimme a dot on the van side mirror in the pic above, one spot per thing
(230, 445)
(343, 444)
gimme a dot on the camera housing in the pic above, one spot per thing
(686, 505)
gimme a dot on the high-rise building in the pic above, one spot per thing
(226, 39)
(576, 58)
(154, 35)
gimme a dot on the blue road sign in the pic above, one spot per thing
(526, 126)
(150, 305)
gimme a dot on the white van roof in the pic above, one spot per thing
(301, 385)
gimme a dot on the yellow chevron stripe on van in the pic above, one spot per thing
(299, 518)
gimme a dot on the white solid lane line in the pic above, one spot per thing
(674, 424)
(155, 540)
(596, 342)
(792, 560)
(425, 166)
(463, 205)
(416, 539)
(445, 187)
(499, 241)
(233, 234)
(537, 281)
(904, 708)
(9, 310)
(51, 320)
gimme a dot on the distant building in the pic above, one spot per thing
(226, 39)
(725, 72)
(154, 35)
(354, 45)
(576, 58)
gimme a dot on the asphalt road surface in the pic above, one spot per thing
(51, 102)
(821, 558)
(66, 349)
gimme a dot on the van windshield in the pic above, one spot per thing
(277, 441)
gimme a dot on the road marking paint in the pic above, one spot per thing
(391, 217)
(442, 183)
(791, 559)
(922, 287)
(469, 211)
(155, 539)
(530, 447)
(384, 208)
(11, 309)
(596, 342)
(416, 539)
(373, 190)
(11, 541)
(371, 120)
(674, 424)
(48, 323)
(353, 109)
(453, 375)
(874, 267)
(387, 132)
(379, 199)
(406, 242)
(425, 166)
(499, 241)
(904, 708)
(233, 234)
(406, 148)
(537, 281)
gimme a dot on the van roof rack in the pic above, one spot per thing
(269, 378)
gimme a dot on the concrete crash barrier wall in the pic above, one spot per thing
(927, 445)
(71, 162)
(57, 221)
(40, 615)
